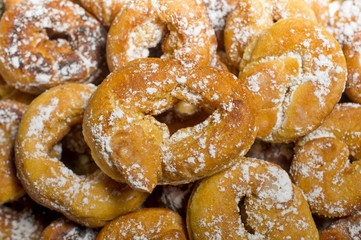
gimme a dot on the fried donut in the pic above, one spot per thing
(127, 142)
(346, 27)
(63, 229)
(148, 223)
(10, 116)
(19, 225)
(141, 25)
(251, 17)
(47, 43)
(344, 229)
(104, 10)
(296, 73)
(254, 199)
(91, 200)
(321, 166)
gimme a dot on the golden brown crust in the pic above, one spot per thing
(272, 207)
(345, 26)
(104, 10)
(93, 199)
(344, 229)
(148, 223)
(142, 24)
(128, 142)
(322, 168)
(63, 229)
(10, 116)
(46, 43)
(296, 73)
(251, 17)
(19, 224)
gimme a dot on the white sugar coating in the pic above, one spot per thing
(144, 36)
(284, 190)
(101, 138)
(191, 31)
(137, 227)
(270, 203)
(80, 234)
(44, 114)
(253, 18)
(323, 15)
(83, 41)
(321, 71)
(355, 230)
(346, 22)
(217, 11)
(18, 225)
(281, 189)
(9, 118)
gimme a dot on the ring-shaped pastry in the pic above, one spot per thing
(254, 199)
(296, 73)
(50, 42)
(142, 24)
(91, 200)
(251, 17)
(322, 165)
(147, 223)
(126, 140)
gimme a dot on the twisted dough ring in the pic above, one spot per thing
(128, 142)
(10, 116)
(47, 43)
(63, 229)
(346, 27)
(296, 73)
(142, 24)
(273, 208)
(16, 225)
(251, 17)
(148, 223)
(321, 166)
(92, 199)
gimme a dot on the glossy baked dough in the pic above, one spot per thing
(127, 142)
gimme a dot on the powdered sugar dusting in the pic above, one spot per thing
(258, 190)
(18, 225)
(218, 11)
(76, 57)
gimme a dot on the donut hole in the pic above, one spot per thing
(57, 36)
(156, 52)
(182, 115)
(80, 164)
(244, 216)
(74, 153)
(352, 159)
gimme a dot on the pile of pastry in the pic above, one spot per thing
(170, 119)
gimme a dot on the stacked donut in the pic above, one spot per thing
(170, 119)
